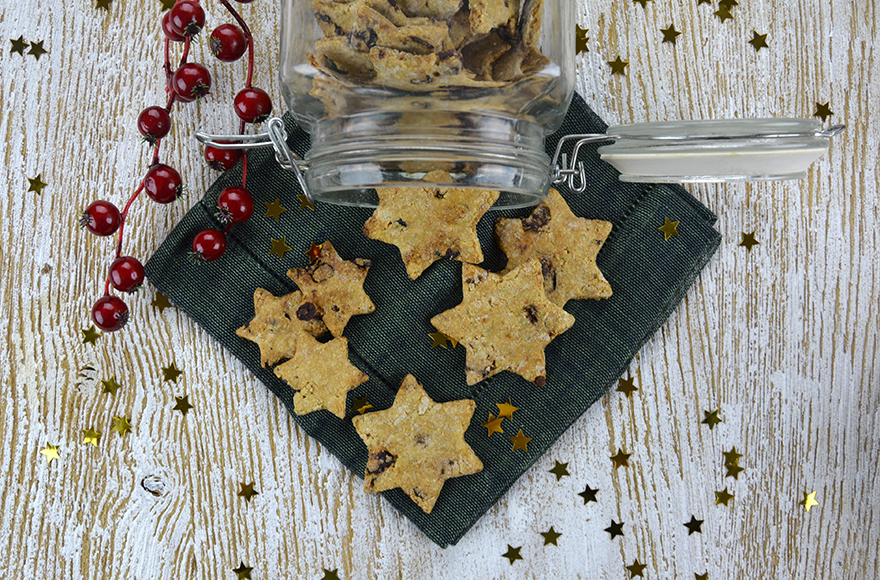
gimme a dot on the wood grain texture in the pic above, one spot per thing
(783, 339)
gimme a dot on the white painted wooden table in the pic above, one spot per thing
(784, 340)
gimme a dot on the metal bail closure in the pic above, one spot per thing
(275, 137)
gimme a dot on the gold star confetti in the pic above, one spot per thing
(550, 536)
(121, 425)
(18, 45)
(360, 405)
(90, 335)
(636, 569)
(670, 34)
(279, 247)
(808, 501)
(182, 404)
(823, 111)
(748, 240)
(733, 471)
(304, 202)
(243, 572)
(644, 3)
(171, 373)
(759, 41)
(723, 13)
(723, 497)
(506, 410)
(560, 470)
(274, 209)
(709, 2)
(105, 4)
(618, 66)
(621, 459)
(91, 436)
(582, 38)
(167, 4)
(314, 252)
(711, 418)
(247, 491)
(693, 526)
(732, 457)
(704, 576)
(669, 229)
(520, 441)
(729, 4)
(589, 494)
(161, 302)
(615, 529)
(110, 386)
(37, 50)
(330, 574)
(627, 386)
(493, 425)
(37, 184)
(50, 452)
(438, 339)
(512, 554)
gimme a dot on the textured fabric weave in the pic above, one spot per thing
(649, 277)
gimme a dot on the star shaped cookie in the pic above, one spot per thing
(429, 223)
(335, 286)
(504, 322)
(566, 246)
(276, 322)
(417, 444)
(321, 375)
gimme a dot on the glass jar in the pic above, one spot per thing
(391, 90)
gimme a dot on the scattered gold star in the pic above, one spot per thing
(18, 45)
(110, 386)
(711, 418)
(733, 471)
(627, 386)
(729, 4)
(248, 491)
(91, 436)
(589, 495)
(105, 4)
(749, 240)
(512, 554)
(621, 459)
(759, 41)
(723, 13)
(182, 405)
(520, 441)
(360, 405)
(37, 184)
(167, 4)
(161, 302)
(693, 526)
(304, 202)
(314, 252)
(274, 209)
(823, 111)
(808, 501)
(37, 50)
(582, 38)
(506, 410)
(171, 373)
(709, 2)
(722, 497)
(438, 338)
(704, 576)
(90, 335)
(279, 247)
(330, 574)
(121, 425)
(50, 452)
(644, 3)
(670, 34)
(732, 457)
(669, 229)
(550, 536)
(615, 529)
(618, 66)
(636, 569)
(493, 425)
(560, 470)
(244, 572)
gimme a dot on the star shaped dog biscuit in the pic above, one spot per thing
(429, 223)
(566, 246)
(504, 322)
(321, 375)
(417, 444)
(335, 286)
(276, 322)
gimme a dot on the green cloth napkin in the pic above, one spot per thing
(649, 277)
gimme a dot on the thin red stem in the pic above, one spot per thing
(248, 36)
(244, 160)
(124, 215)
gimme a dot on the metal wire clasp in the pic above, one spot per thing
(574, 172)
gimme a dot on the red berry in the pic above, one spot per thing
(221, 159)
(187, 18)
(253, 105)
(163, 184)
(154, 123)
(234, 205)
(126, 274)
(110, 313)
(228, 42)
(208, 245)
(102, 218)
(190, 82)
(169, 32)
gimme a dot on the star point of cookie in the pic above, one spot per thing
(321, 374)
(417, 444)
(430, 222)
(565, 245)
(335, 286)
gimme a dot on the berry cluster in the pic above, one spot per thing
(189, 82)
